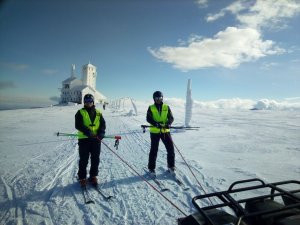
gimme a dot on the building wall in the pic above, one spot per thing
(75, 83)
(69, 95)
(69, 92)
(89, 75)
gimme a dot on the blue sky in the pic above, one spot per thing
(230, 49)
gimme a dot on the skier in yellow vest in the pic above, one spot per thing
(91, 127)
(160, 116)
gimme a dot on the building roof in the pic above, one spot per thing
(78, 88)
(69, 80)
(89, 64)
(88, 89)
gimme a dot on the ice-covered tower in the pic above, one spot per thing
(73, 71)
(89, 75)
(188, 104)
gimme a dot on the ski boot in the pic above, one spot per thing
(82, 182)
(152, 172)
(172, 170)
(93, 181)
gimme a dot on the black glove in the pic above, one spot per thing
(89, 134)
(158, 125)
(100, 136)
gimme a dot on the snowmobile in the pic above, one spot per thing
(248, 202)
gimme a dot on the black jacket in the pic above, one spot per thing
(150, 116)
(92, 113)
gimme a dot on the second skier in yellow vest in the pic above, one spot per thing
(160, 117)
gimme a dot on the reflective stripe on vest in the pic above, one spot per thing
(93, 127)
(159, 118)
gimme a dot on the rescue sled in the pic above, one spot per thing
(269, 204)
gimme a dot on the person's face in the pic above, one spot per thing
(88, 104)
(158, 100)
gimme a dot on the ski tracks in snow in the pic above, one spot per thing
(45, 190)
(35, 190)
(134, 148)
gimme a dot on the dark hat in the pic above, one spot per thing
(88, 98)
(157, 94)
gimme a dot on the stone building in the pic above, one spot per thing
(74, 89)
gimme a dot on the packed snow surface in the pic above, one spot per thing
(38, 170)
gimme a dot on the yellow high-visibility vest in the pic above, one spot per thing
(159, 118)
(93, 127)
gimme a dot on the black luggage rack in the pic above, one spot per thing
(259, 210)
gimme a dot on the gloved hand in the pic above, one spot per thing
(158, 125)
(167, 126)
(100, 136)
(89, 134)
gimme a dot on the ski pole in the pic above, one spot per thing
(191, 170)
(117, 137)
(171, 127)
(137, 173)
(66, 134)
(43, 142)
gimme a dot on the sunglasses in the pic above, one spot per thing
(158, 98)
(88, 101)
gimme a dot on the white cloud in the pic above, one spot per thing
(234, 45)
(274, 105)
(202, 3)
(233, 103)
(234, 8)
(263, 13)
(227, 49)
(293, 99)
(14, 66)
(268, 65)
(213, 17)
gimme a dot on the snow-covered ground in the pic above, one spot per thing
(38, 169)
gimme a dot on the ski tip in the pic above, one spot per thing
(90, 202)
(109, 197)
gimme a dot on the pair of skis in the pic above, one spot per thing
(86, 195)
(161, 185)
(88, 200)
(179, 182)
(158, 182)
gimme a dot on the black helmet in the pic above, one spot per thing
(88, 98)
(157, 94)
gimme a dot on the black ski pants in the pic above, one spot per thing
(88, 147)
(168, 142)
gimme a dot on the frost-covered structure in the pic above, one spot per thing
(188, 104)
(126, 104)
(73, 89)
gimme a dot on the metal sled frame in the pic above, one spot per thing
(240, 211)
